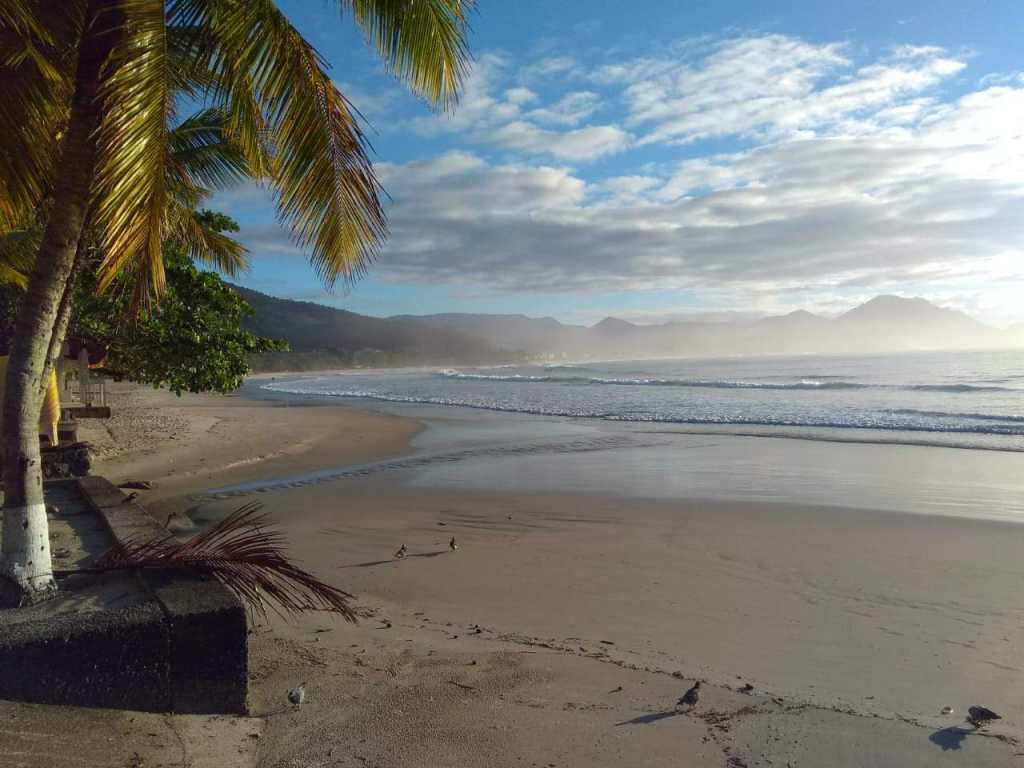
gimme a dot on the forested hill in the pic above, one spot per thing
(324, 337)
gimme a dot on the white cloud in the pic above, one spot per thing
(571, 109)
(940, 205)
(850, 177)
(520, 95)
(486, 118)
(775, 87)
(371, 104)
(581, 144)
(478, 107)
(549, 67)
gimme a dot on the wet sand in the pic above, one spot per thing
(567, 624)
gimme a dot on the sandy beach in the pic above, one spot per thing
(567, 624)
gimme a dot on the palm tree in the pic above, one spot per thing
(90, 87)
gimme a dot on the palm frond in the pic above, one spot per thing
(314, 148)
(187, 229)
(243, 554)
(17, 255)
(36, 67)
(23, 17)
(200, 149)
(131, 185)
(423, 41)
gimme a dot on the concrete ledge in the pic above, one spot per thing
(113, 658)
(179, 645)
(208, 643)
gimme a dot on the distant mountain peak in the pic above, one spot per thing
(612, 324)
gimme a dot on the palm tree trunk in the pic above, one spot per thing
(26, 544)
(64, 311)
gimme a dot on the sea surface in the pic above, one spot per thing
(939, 434)
(965, 400)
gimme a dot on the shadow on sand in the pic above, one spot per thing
(373, 563)
(651, 718)
(950, 738)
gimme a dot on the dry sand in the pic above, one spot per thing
(566, 626)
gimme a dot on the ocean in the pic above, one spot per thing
(965, 400)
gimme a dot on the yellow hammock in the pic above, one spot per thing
(50, 417)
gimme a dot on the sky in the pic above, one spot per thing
(659, 159)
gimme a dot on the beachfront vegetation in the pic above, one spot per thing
(191, 340)
(90, 87)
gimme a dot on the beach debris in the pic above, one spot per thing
(297, 695)
(131, 497)
(442, 523)
(616, 690)
(452, 545)
(462, 685)
(747, 688)
(947, 710)
(979, 717)
(138, 485)
(245, 555)
(402, 550)
(691, 697)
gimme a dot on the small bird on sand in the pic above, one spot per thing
(401, 552)
(981, 716)
(691, 697)
(297, 695)
(452, 545)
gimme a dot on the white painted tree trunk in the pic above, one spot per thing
(26, 546)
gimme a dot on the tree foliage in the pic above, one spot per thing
(190, 340)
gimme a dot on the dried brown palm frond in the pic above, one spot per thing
(244, 555)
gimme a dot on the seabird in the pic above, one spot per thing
(401, 552)
(981, 716)
(452, 545)
(297, 695)
(691, 697)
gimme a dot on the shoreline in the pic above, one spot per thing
(811, 432)
(184, 443)
(582, 617)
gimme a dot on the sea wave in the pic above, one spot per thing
(1009, 426)
(702, 384)
(1009, 419)
(452, 374)
(811, 384)
(652, 382)
(957, 388)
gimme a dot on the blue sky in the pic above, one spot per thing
(659, 159)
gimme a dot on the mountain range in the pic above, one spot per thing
(323, 337)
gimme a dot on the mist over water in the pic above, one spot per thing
(969, 399)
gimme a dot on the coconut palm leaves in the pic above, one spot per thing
(199, 158)
(17, 253)
(35, 80)
(423, 42)
(130, 188)
(246, 555)
(266, 93)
